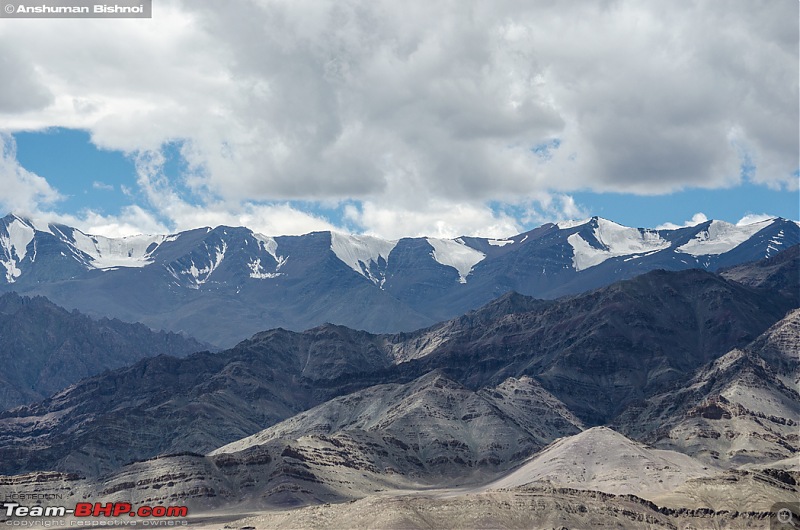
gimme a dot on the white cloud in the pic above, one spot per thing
(700, 217)
(696, 219)
(437, 219)
(551, 208)
(180, 214)
(278, 219)
(420, 112)
(23, 191)
(754, 218)
(166, 211)
(22, 88)
(132, 220)
(449, 220)
(97, 185)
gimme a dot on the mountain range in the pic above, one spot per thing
(717, 449)
(598, 355)
(224, 284)
(667, 397)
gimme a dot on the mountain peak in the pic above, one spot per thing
(602, 459)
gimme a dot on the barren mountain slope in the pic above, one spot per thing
(744, 407)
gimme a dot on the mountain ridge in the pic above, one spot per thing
(224, 284)
(44, 348)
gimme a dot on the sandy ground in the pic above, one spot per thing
(531, 508)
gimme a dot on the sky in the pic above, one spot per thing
(398, 119)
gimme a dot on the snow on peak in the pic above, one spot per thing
(107, 253)
(269, 245)
(721, 237)
(14, 245)
(359, 251)
(19, 236)
(201, 275)
(37, 224)
(456, 254)
(563, 225)
(617, 240)
(500, 242)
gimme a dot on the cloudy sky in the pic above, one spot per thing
(402, 118)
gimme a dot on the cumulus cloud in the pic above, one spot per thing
(700, 218)
(23, 191)
(754, 218)
(446, 219)
(23, 90)
(438, 219)
(696, 219)
(97, 185)
(274, 219)
(165, 211)
(420, 114)
(181, 214)
(132, 220)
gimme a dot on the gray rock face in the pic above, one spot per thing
(777, 274)
(779, 346)
(427, 432)
(665, 486)
(224, 284)
(742, 408)
(533, 507)
(433, 426)
(603, 350)
(44, 348)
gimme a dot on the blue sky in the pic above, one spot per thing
(85, 176)
(403, 120)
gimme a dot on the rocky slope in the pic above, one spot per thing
(44, 348)
(603, 460)
(743, 407)
(600, 351)
(486, 420)
(661, 488)
(167, 404)
(777, 273)
(431, 430)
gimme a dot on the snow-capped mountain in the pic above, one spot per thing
(223, 284)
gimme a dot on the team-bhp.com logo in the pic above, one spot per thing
(97, 509)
